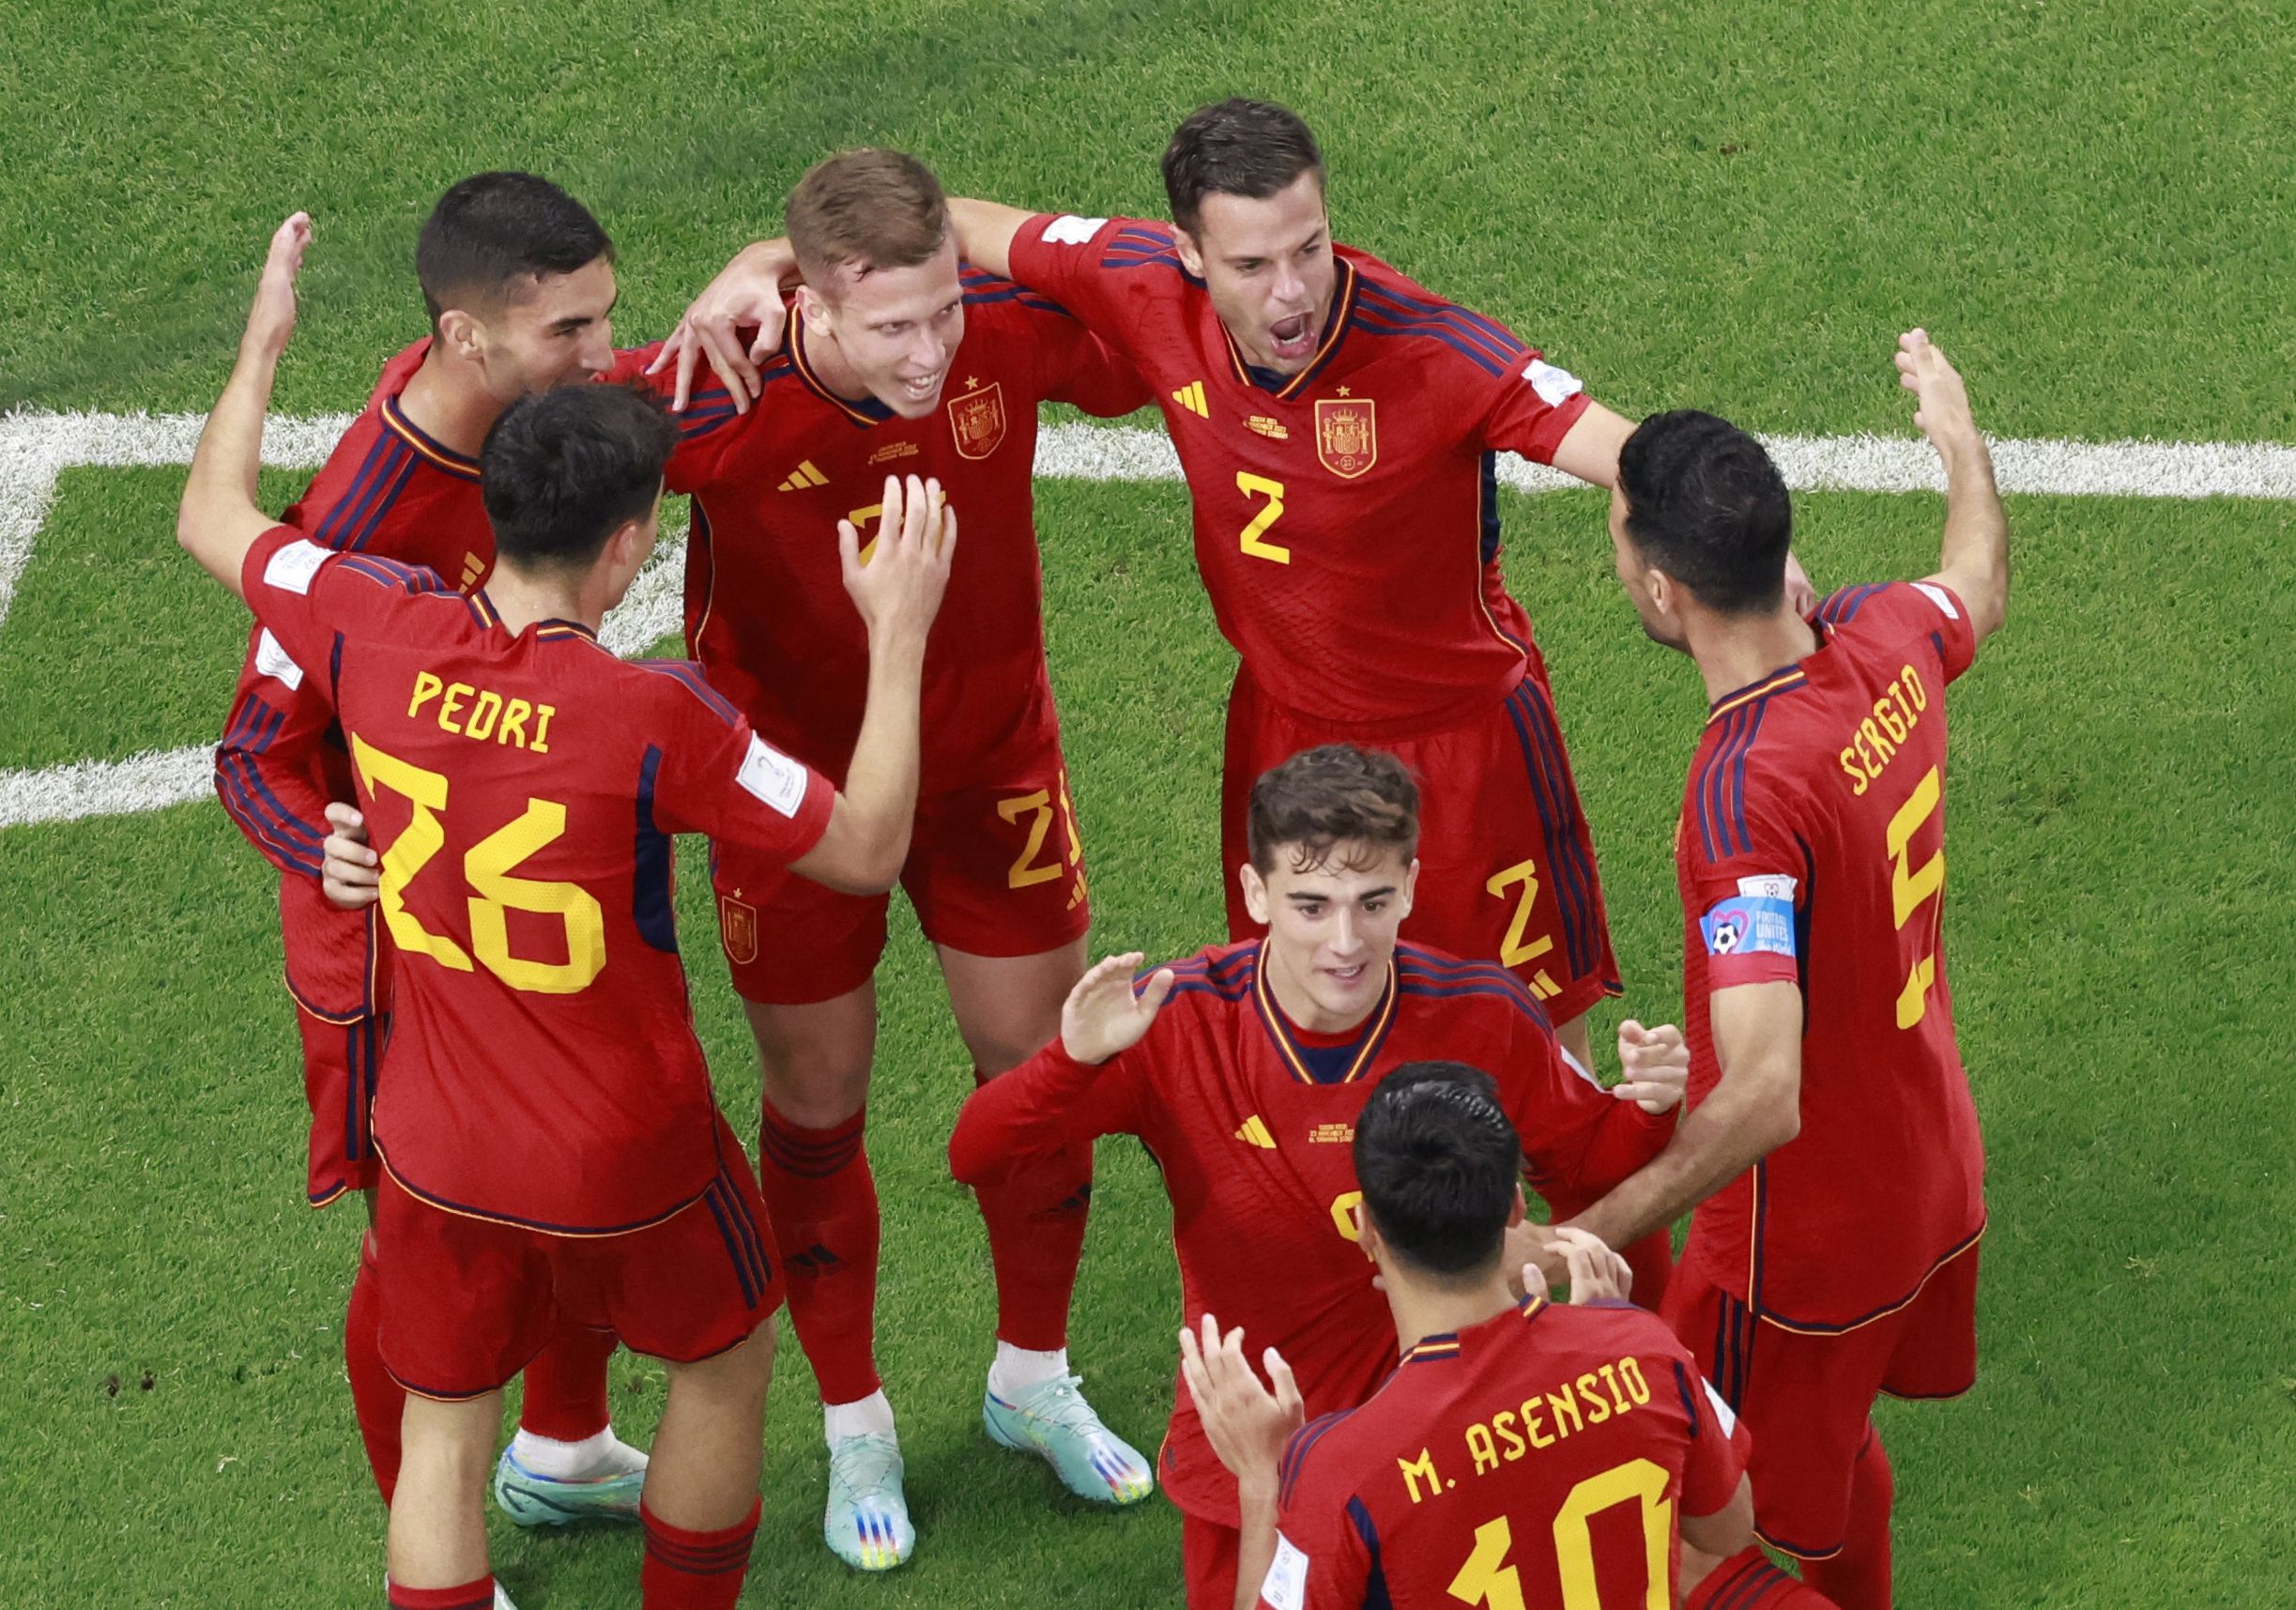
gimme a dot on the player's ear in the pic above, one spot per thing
(1255, 891)
(1410, 885)
(813, 308)
(1516, 1209)
(459, 333)
(1191, 255)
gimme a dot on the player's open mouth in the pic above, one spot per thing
(922, 391)
(1291, 337)
(1346, 974)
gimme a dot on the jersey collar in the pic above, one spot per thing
(866, 412)
(1445, 1345)
(1777, 682)
(460, 466)
(1357, 1058)
(557, 628)
(1285, 387)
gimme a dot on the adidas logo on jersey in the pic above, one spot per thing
(1254, 1133)
(1190, 397)
(803, 477)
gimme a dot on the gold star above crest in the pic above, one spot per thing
(971, 383)
(1345, 393)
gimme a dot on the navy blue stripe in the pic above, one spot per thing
(741, 1239)
(233, 794)
(746, 1222)
(1504, 338)
(1370, 321)
(682, 671)
(354, 496)
(1690, 1405)
(1142, 231)
(1402, 309)
(1302, 1443)
(1737, 778)
(350, 1091)
(257, 795)
(1709, 785)
(1198, 987)
(649, 886)
(1574, 882)
(1164, 260)
(734, 1247)
(374, 495)
(399, 478)
(1732, 1588)
(1375, 1595)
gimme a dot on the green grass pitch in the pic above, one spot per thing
(1735, 205)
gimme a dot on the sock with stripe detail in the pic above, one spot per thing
(695, 1571)
(1857, 1578)
(565, 1386)
(1747, 1580)
(821, 1199)
(377, 1401)
(1035, 1221)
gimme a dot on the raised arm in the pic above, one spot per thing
(899, 593)
(984, 232)
(218, 519)
(1974, 563)
(1756, 1109)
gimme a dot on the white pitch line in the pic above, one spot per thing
(36, 448)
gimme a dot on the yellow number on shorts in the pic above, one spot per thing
(1514, 950)
(1261, 486)
(1488, 1580)
(487, 868)
(1910, 887)
(1024, 874)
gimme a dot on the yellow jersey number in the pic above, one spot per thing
(1487, 1579)
(1911, 888)
(488, 869)
(1254, 538)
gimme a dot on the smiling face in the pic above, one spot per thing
(1331, 928)
(547, 330)
(893, 332)
(1267, 265)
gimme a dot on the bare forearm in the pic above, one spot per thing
(984, 232)
(1975, 551)
(1256, 1545)
(1732, 1129)
(218, 519)
(881, 784)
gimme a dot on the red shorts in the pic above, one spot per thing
(468, 1302)
(995, 869)
(1507, 861)
(337, 973)
(1807, 1397)
(1208, 1562)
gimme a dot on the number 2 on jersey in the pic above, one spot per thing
(487, 869)
(1255, 533)
(1488, 1580)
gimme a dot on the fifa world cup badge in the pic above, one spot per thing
(977, 420)
(737, 924)
(1346, 436)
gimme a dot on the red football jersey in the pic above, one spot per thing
(1347, 521)
(389, 490)
(522, 790)
(767, 613)
(1810, 850)
(1252, 1122)
(1542, 1460)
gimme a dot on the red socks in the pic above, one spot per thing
(1035, 1222)
(695, 1571)
(377, 1399)
(823, 1200)
(565, 1386)
(1857, 1578)
(1747, 1580)
(479, 1595)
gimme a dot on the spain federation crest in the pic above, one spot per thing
(1346, 434)
(977, 420)
(737, 926)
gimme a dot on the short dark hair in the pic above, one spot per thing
(1252, 148)
(1438, 1164)
(563, 470)
(1706, 505)
(872, 209)
(1338, 794)
(494, 231)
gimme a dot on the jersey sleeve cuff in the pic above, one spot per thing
(1547, 436)
(1728, 972)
